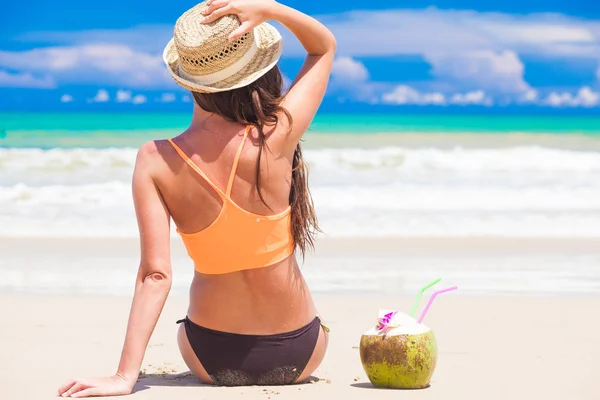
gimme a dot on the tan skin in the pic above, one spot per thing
(268, 300)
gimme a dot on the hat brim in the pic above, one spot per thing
(269, 47)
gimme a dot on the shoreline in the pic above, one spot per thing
(313, 140)
(328, 245)
(479, 266)
(576, 141)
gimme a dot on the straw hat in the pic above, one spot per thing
(201, 59)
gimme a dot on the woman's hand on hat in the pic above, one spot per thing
(251, 13)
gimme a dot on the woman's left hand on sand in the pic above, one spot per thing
(109, 386)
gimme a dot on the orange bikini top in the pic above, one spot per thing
(237, 239)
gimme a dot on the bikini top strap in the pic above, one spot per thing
(236, 161)
(195, 167)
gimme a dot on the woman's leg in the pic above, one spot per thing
(190, 358)
(317, 355)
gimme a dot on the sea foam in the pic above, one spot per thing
(393, 191)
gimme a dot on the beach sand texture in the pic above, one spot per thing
(491, 347)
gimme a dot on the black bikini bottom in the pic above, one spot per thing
(232, 359)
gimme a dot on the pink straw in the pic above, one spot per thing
(433, 297)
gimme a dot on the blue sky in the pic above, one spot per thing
(435, 56)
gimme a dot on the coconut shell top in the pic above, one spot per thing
(396, 323)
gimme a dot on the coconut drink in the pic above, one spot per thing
(400, 352)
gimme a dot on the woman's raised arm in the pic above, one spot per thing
(308, 89)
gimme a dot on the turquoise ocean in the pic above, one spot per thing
(373, 176)
(130, 130)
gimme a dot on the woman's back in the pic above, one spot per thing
(239, 198)
(254, 299)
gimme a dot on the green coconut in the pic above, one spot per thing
(403, 357)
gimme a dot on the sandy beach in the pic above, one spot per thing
(494, 343)
(490, 348)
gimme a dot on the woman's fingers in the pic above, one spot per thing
(87, 392)
(215, 15)
(246, 26)
(74, 389)
(66, 386)
(214, 5)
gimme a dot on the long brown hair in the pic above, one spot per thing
(258, 104)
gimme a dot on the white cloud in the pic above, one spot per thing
(468, 50)
(585, 97)
(551, 34)
(497, 71)
(139, 99)
(430, 31)
(25, 80)
(477, 97)
(92, 63)
(123, 96)
(529, 96)
(392, 32)
(406, 95)
(350, 78)
(349, 70)
(559, 99)
(149, 38)
(66, 98)
(101, 97)
(167, 98)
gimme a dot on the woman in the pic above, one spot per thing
(234, 184)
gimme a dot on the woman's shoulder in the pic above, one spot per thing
(154, 155)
